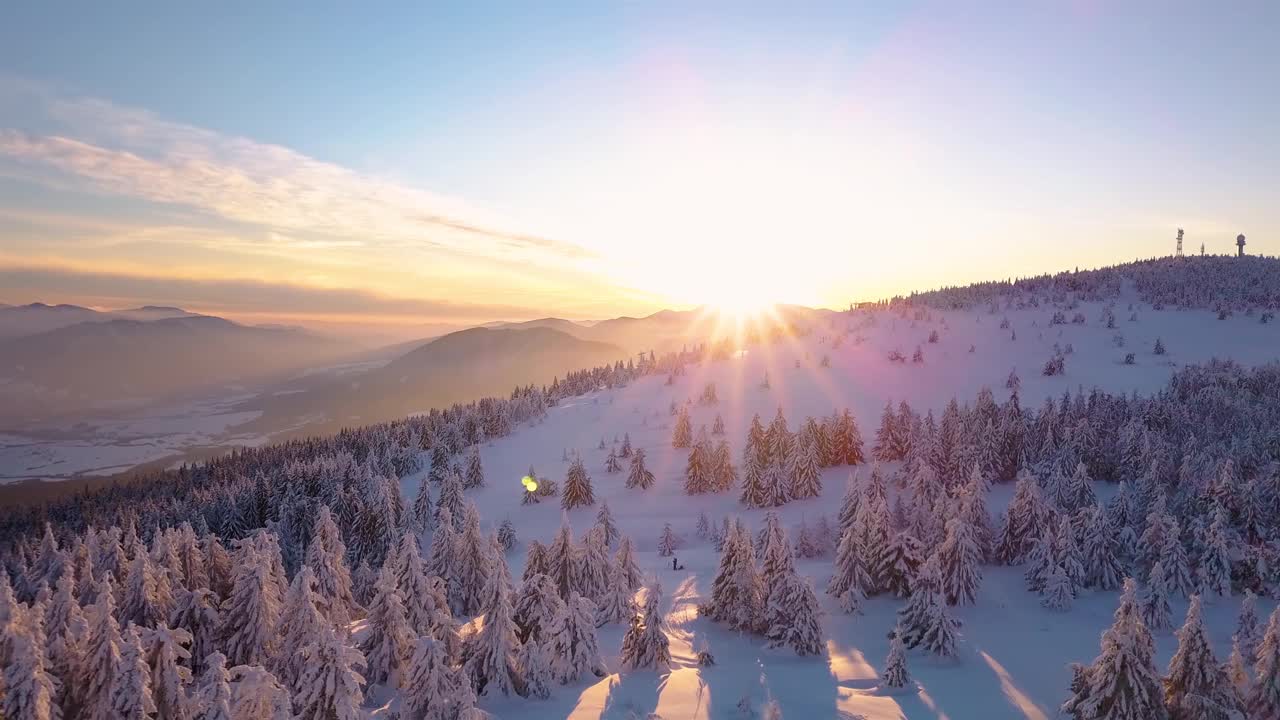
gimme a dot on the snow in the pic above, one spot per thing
(1013, 653)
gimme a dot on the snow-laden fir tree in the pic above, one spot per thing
(886, 448)
(300, 621)
(618, 602)
(442, 561)
(326, 557)
(388, 641)
(792, 615)
(895, 673)
(592, 566)
(1263, 700)
(450, 498)
(506, 535)
(850, 580)
(645, 645)
(330, 685)
(197, 613)
(535, 668)
(256, 693)
(489, 656)
(1058, 592)
(572, 640)
(1177, 566)
(723, 473)
(536, 606)
(1122, 683)
(27, 690)
(433, 689)
(604, 521)
(423, 509)
(425, 609)
(251, 612)
(755, 492)
(898, 564)
(474, 476)
(626, 561)
(1025, 521)
(703, 527)
(101, 655)
(626, 446)
(142, 601)
(131, 685)
(717, 426)
(561, 555)
(1102, 568)
(925, 621)
(806, 471)
(639, 476)
(667, 541)
(213, 699)
(1248, 630)
(1237, 671)
(1215, 557)
(698, 470)
(472, 565)
(611, 463)
(682, 435)
(1156, 613)
(1196, 687)
(960, 560)
(849, 504)
(577, 487)
(169, 659)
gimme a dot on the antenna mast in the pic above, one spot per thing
(1179, 253)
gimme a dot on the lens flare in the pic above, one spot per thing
(529, 483)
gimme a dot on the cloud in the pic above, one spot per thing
(22, 284)
(128, 152)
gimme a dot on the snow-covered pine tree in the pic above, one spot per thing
(806, 470)
(899, 563)
(717, 426)
(474, 476)
(27, 690)
(102, 654)
(442, 561)
(592, 566)
(1263, 700)
(577, 487)
(1237, 671)
(755, 492)
(960, 561)
(1102, 568)
(618, 602)
(330, 686)
(792, 615)
(168, 659)
(703, 527)
(611, 463)
(560, 558)
(853, 494)
(645, 645)
(131, 685)
(850, 576)
(1177, 566)
(326, 557)
(251, 612)
(1156, 613)
(388, 641)
(572, 639)
(626, 561)
(682, 435)
(1058, 590)
(924, 620)
(535, 667)
(256, 693)
(143, 602)
(667, 541)
(433, 689)
(213, 700)
(506, 535)
(895, 673)
(1196, 687)
(423, 509)
(698, 470)
(1215, 557)
(299, 623)
(639, 476)
(626, 446)
(472, 565)
(536, 606)
(450, 498)
(885, 448)
(197, 613)
(1248, 629)
(737, 597)
(489, 656)
(1122, 683)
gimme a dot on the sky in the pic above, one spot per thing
(397, 164)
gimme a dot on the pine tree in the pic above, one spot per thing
(924, 620)
(792, 615)
(1215, 559)
(131, 686)
(1196, 687)
(577, 487)
(197, 613)
(806, 474)
(326, 557)
(899, 564)
(168, 657)
(1155, 599)
(626, 446)
(489, 655)
(425, 602)
(256, 693)
(536, 670)
(698, 470)
(1026, 520)
(592, 566)
(102, 654)
(724, 474)
(703, 527)
(214, 697)
(755, 492)
(329, 687)
(1102, 568)
(682, 436)
(850, 576)
(611, 463)
(27, 690)
(450, 498)
(472, 565)
(251, 611)
(639, 476)
(645, 644)
(388, 641)
(560, 559)
(667, 541)
(1264, 698)
(507, 535)
(442, 561)
(433, 690)
(625, 558)
(1058, 591)
(849, 504)
(474, 477)
(572, 640)
(617, 604)
(737, 597)
(717, 427)
(1122, 683)
(886, 445)
(536, 607)
(895, 673)
(960, 560)
(1237, 671)
(143, 602)
(299, 623)
(423, 510)
(1177, 566)
(1248, 630)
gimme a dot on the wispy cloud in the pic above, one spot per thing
(130, 152)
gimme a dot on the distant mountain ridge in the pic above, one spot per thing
(35, 318)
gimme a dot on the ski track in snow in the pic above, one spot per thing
(1014, 654)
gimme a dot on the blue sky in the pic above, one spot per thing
(660, 155)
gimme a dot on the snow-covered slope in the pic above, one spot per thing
(1014, 654)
